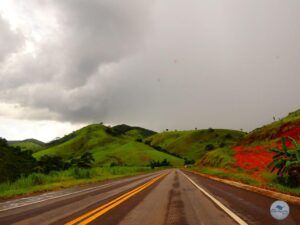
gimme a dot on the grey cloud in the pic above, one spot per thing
(164, 64)
(9, 41)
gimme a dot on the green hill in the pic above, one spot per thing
(194, 144)
(28, 144)
(120, 145)
(287, 126)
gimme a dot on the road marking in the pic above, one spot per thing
(59, 196)
(94, 214)
(217, 202)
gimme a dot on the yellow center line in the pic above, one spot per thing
(110, 205)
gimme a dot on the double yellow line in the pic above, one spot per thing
(94, 214)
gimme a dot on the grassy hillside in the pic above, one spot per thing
(195, 144)
(120, 145)
(248, 159)
(252, 153)
(287, 126)
(28, 144)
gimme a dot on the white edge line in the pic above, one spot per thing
(218, 203)
(59, 196)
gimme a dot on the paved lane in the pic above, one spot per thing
(252, 207)
(169, 197)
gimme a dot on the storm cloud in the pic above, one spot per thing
(158, 64)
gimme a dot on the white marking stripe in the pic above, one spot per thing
(218, 203)
(71, 193)
(55, 197)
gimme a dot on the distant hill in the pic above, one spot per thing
(287, 126)
(120, 145)
(28, 144)
(194, 144)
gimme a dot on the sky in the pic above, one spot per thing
(172, 64)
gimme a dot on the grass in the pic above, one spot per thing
(237, 176)
(57, 180)
(240, 175)
(221, 157)
(272, 183)
(106, 148)
(28, 145)
(193, 144)
(270, 132)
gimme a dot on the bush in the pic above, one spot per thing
(85, 161)
(37, 179)
(228, 136)
(286, 162)
(79, 173)
(14, 163)
(209, 147)
(163, 163)
(222, 145)
(211, 130)
(50, 163)
(188, 161)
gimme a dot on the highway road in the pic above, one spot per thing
(170, 197)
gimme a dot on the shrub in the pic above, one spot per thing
(211, 130)
(80, 173)
(287, 163)
(158, 163)
(209, 147)
(228, 136)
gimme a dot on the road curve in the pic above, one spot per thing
(170, 197)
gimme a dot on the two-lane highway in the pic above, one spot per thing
(170, 197)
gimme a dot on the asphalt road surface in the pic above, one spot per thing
(170, 197)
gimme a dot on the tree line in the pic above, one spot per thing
(15, 163)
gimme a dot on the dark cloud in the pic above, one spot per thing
(159, 64)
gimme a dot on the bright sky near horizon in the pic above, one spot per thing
(157, 64)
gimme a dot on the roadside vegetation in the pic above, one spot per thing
(55, 180)
(267, 157)
(194, 144)
(91, 154)
(96, 152)
(120, 145)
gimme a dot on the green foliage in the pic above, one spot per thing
(46, 164)
(61, 140)
(244, 178)
(220, 157)
(85, 161)
(209, 147)
(124, 129)
(28, 145)
(122, 149)
(38, 182)
(287, 163)
(188, 161)
(164, 163)
(14, 163)
(191, 144)
(272, 131)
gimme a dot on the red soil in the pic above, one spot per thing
(252, 158)
(256, 158)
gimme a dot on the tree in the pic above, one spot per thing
(85, 161)
(157, 163)
(209, 147)
(14, 163)
(47, 163)
(188, 161)
(286, 162)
